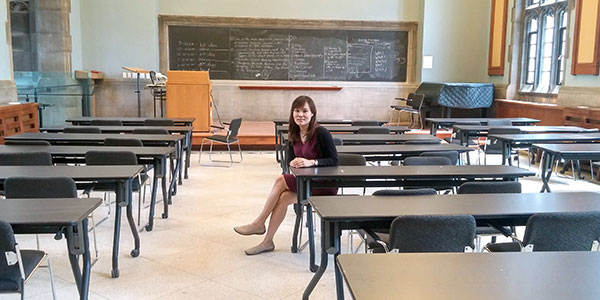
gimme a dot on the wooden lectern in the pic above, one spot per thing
(188, 95)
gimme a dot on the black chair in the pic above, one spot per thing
(455, 139)
(123, 142)
(366, 123)
(16, 265)
(493, 146)
(118, 158)
(159, 122)
(96, 122)
(427, 161)
(382, 234)
(415, 108)
(378, 130)
(568, 231)
(488, 187)
(431, 234)
(26, 159)
(81, 129)
(26, 142)
(351, 160)
(399, 108)
(451, 155)
(229, 139)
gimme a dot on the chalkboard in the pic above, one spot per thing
(290, 54)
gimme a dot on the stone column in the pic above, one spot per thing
(51, 35)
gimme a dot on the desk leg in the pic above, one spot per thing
(504, 150)
(179, 165)
(276, 143)
(311, 233)
(325, 244)
(188, 152)
(157, 170)
(299, 198)
(78, 244)
(87, 262)
(166, 194)
(114, 273)
(339, 282)
(136, 238)
(432, 128)
(546, 172)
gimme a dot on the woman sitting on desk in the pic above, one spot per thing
(309, 146)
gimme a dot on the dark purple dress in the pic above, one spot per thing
(307, 150)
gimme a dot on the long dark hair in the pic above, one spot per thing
(294, 129)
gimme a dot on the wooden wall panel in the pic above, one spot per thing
(548, 114)
(497, 37)
(586, 43)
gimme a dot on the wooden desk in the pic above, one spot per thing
(51, 216)
(122, 177)
(498, 276)
(354, 212)
(511, 140)
(156, 156)
(435, 123)
(356, 176)
(185, 130)
(554, 152)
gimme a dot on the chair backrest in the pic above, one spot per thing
(378, 130)
(159, 122)
(338, 142)
(451, 155)
(153, 77)
(417, 101)
(365, 123)
(234, 127)
(96, 122)
(81, 129)
(150, 131)
(351, 160)
(26, 159)
(40, 187)
(487, 187)
(573, 231)
(432, 233)
(499, 122)
(409, 192)
(26, 142)
(10, 276)
(492, 143)
(122, 142)
(427, 161)
(110, 158)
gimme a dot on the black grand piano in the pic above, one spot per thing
(441, 98)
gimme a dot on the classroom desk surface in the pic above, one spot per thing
(498, 276)
(354, 176)
(465, 132)
(402, 150)
(329, 121)
(54, 215)
(390, 138)
(156, 156)
(437, 122)
(555, 152)
(511, 140)
(355, 212)
(127, 120)
(352, 129)
(122, 177)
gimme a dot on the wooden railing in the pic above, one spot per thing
(18, 118)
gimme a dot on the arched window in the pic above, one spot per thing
(545, 34)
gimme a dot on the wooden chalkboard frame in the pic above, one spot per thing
(164, 21)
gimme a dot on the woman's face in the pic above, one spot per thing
(303, 115)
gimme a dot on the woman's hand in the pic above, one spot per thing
(300, 162)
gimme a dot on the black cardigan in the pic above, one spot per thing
(326, 153)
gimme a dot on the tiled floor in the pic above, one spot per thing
(195, 254)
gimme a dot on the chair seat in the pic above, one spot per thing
(398, 107)
(222, 139)
(31, 259)
(504, 247)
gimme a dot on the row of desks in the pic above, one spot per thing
(339, 213)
